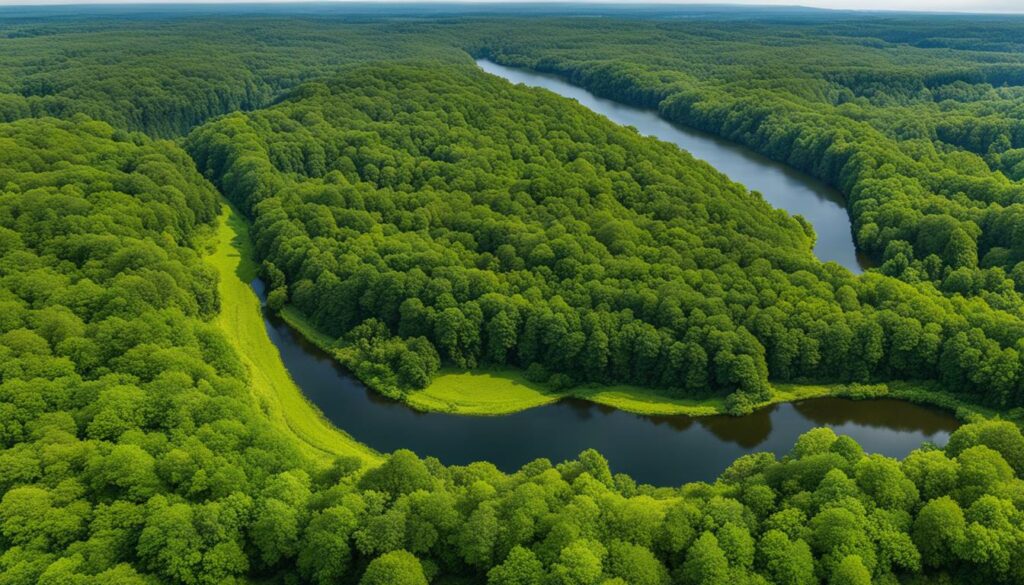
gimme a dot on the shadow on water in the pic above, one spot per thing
(662, 450)
(882, 413)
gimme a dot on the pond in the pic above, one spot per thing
(661, 450)
(780, 185)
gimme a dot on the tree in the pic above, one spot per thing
(579, 563)
(883, 480)
(784, 561)
(275, 531)
(635, 564)
(394, 568)
(520, 567)
(325, 553)
(705, 562)
(939, 530)
(402, 473)
(932, 472)
(851, 571)
(981, 469)
(1003, 436)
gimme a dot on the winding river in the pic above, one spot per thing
(780, 185)
(661, 450)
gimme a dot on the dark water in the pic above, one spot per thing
(781, 185)
(661, 450)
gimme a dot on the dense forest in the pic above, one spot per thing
(926, 143)
(422, 213)
(60, 66)
(422, 222)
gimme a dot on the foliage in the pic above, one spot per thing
(164, 76)
(135, 447)
(925, 143)
(414, 220)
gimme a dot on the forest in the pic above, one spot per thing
(421, 224)
(924, 144)
(425, 215)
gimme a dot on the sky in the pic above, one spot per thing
(997, 6)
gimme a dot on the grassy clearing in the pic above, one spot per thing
(648, 401)
(481, 392)
(271, 385)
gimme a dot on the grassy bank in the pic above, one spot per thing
(479, 392)
(498, 391)
(271, 385)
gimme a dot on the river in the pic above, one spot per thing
(661, 450)
(780, 185)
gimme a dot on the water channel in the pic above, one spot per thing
(780, 185)
(662, 450)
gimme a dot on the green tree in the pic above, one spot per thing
(851, 571)
(520, 567)
(394, 568)
(705, 562)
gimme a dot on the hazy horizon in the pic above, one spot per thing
(965, 6)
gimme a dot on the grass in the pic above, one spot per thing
(272, 387)
(649, 401)
(481, 392)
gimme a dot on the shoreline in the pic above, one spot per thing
(241, 321)
(449, 392)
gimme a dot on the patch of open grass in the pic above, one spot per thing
(272, 387)
(481, 392)
(649, 400)
(652, 401)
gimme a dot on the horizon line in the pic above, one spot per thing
(498, 3)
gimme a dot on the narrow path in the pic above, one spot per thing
(272, 387)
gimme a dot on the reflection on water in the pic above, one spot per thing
(779, 184)
(883, 413)
(754, 430)
(663, 450)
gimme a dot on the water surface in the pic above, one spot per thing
(780, 184)
(661, 450)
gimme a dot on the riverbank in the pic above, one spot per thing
(482, 392)
(503, 391)
(241, 321)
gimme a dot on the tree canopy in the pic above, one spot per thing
(422, 212)
(426, 215)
